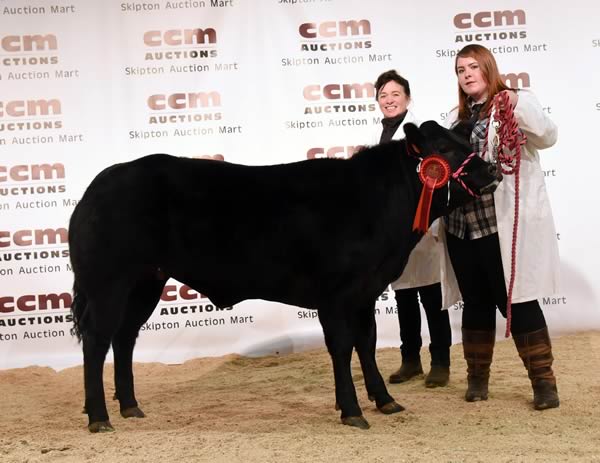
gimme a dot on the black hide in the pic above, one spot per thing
(324, 234)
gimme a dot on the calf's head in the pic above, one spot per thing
(449, 168)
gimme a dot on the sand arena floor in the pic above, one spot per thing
(281, 409)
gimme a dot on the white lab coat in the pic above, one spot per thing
(423, 266)
(537, 260)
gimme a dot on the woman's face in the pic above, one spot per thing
(392, 99)
(471, 79)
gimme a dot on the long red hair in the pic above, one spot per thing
(489, 69)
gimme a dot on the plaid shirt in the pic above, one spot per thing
(478, 218)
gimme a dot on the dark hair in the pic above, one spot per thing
(490, 72)
(388, 76)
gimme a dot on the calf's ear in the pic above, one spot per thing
(431, 129)
(443, 139)
(414, 137)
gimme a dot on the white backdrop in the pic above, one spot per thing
(87, 84)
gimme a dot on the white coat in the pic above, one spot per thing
(423, 266)
(537, 260)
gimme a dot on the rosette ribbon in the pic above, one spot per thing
(434, 173)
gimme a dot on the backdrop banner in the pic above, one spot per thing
(84, 85)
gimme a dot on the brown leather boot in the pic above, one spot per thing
(535, 349)
(409, 369)
(478, 347)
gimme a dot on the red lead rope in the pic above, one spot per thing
(509, 140)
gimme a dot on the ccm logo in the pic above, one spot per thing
(513, 80)
(334, 152)
(20, 108)
(25, 173)
(18, 43)
(34, 237)
(180, 37)
(489, 19)
(171, 293)
(213, 157)
(31, 302)
(339, 91)
(329, 29)
(184, 100)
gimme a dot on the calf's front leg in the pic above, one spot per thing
(366, 343)
(338, 338)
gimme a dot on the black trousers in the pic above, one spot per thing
(478, 268)
(409, 318)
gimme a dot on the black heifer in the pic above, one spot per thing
(324, 234)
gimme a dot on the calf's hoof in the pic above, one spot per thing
(356, 421)
(132, 412)
(100, 426)
(391, 407)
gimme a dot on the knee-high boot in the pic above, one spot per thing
(535, 349)
(478, 347)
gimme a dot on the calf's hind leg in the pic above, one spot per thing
(141, 302)
(95, 347)
(103, 321)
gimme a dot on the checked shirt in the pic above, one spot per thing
(478, 218)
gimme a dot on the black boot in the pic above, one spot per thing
(478, 349)
(410, 368)
(535, 350)
(439, 375)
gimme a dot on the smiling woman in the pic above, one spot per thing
(421, 277)
(392, 99)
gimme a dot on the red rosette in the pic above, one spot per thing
(434, 173)
(437, 168)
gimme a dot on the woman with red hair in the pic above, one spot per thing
(479, 236)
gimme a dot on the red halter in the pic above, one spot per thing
(459, 173)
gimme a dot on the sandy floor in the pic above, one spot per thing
(280, 409)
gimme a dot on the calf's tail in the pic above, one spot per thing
(78, 310)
